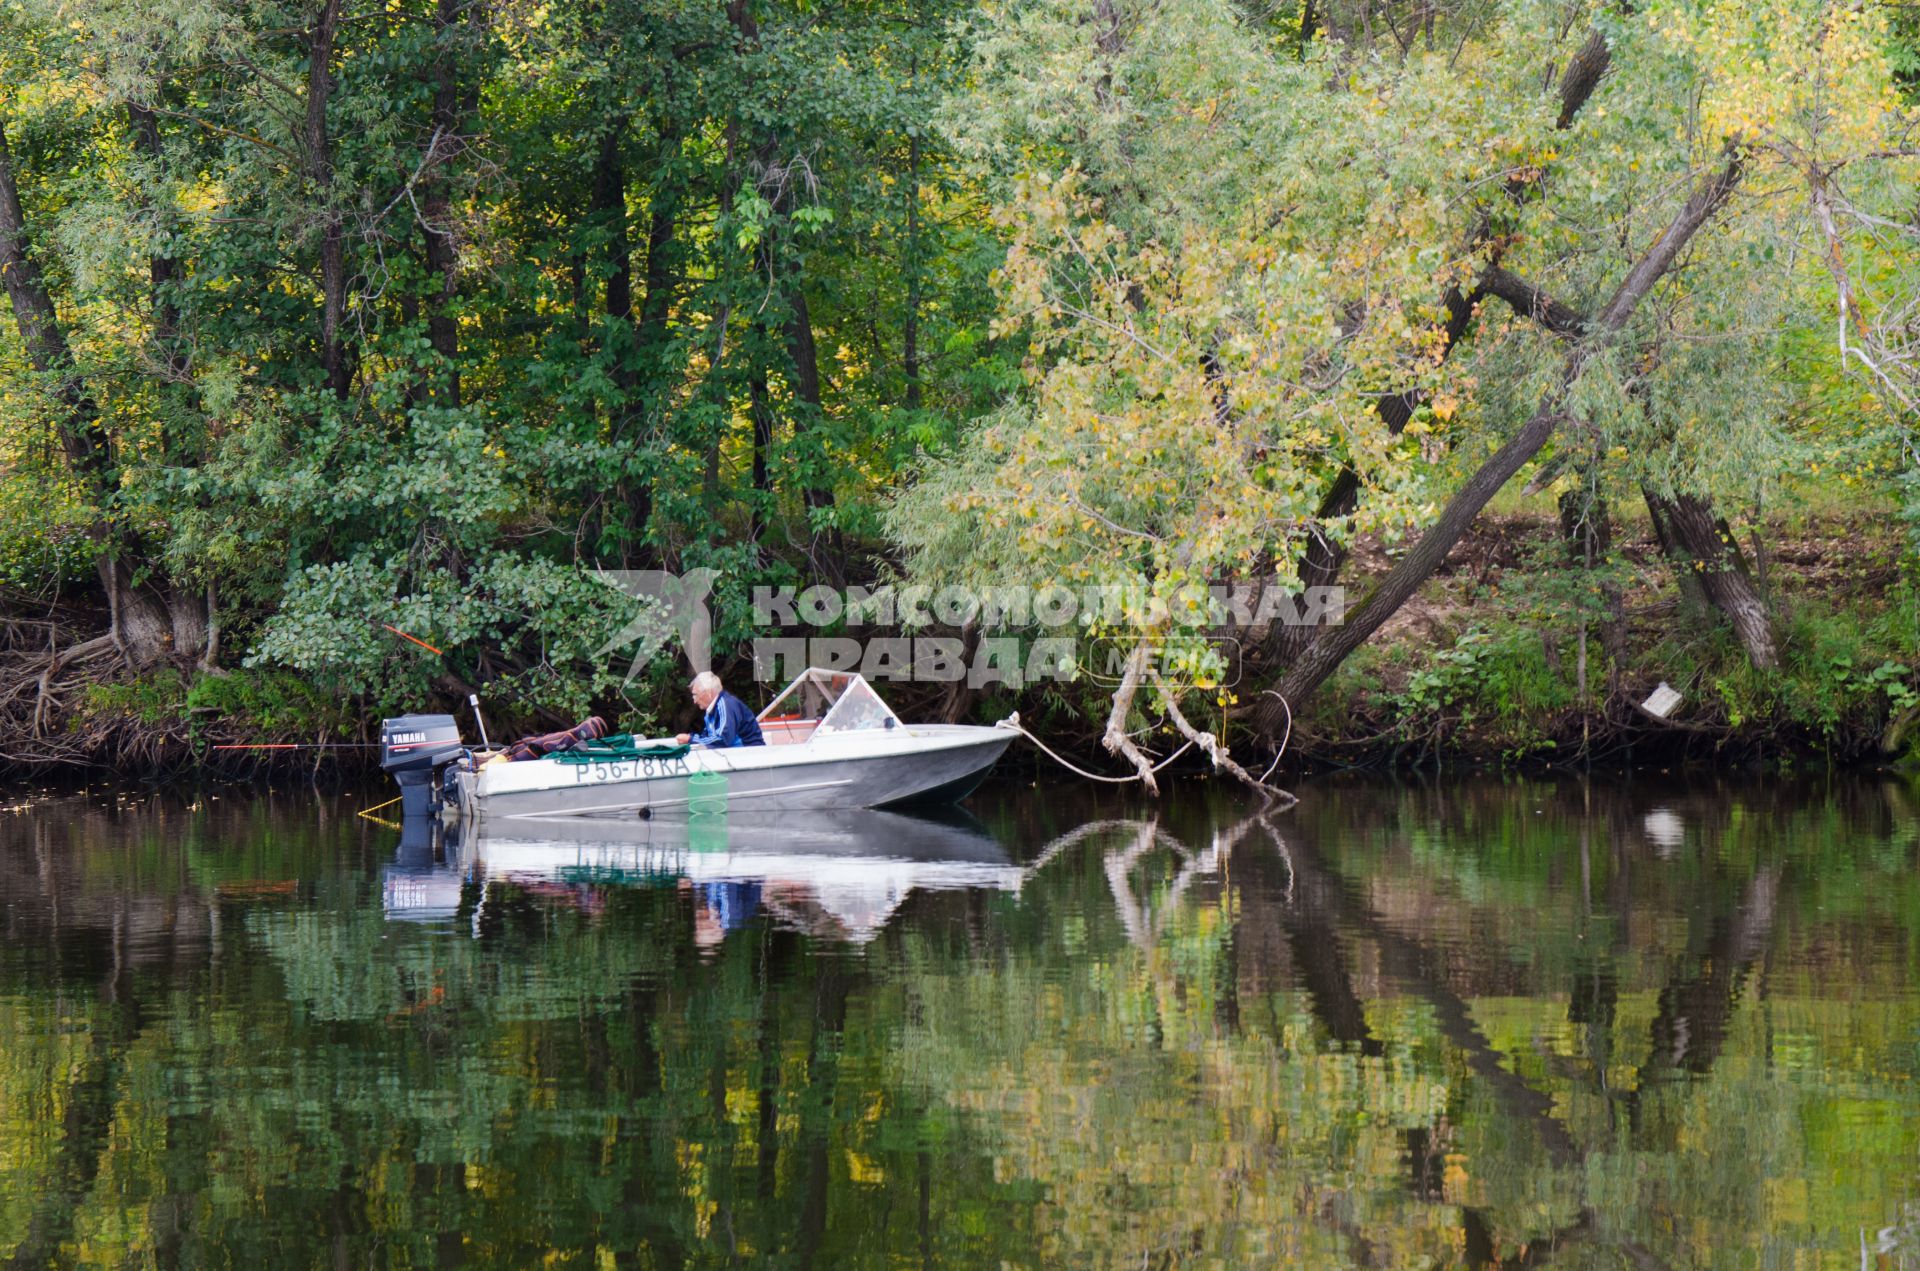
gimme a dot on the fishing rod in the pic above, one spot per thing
(298, 745)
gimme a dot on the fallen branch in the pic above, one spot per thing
(1116, 740)
(1211, 745)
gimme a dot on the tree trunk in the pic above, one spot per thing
(761, 411)
(607, 210)
(147, 623)
(1110, 43)
(1583, 74)
(663, 206)
(164, 619)
(1586, 527)
(1708, 564)
(1701, 545)
(651, 335)
(577, 290)
(910, 353)
(801, 353)
(158, 620)
(827, 556)
(81, 437)
(1320, 564)
(450, 110)
(1324, 655)
(333, 251)
(1693, 597)
(806, 376)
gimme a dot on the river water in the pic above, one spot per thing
(1599, 1023)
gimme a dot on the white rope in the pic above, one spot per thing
(1170, 758)
(1012, 724)
(1285, 737)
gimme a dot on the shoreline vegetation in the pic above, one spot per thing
(1474, 673)
(347, 348)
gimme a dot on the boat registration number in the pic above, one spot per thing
(625, 769)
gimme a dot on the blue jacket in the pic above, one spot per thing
(729, 723)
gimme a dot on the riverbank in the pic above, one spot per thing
(1513, 655)
(1504, 656)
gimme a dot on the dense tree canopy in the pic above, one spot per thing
(336, 315)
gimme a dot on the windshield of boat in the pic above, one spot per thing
(838, 701)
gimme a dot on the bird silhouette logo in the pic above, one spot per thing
(669, 605)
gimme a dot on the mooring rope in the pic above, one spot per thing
(380, 820)
(1285, 738)
(1012, 724)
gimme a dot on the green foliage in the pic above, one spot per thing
(970, 293)
(334, 624)
(639, 205)
(1843, 679)
(155, 699)
(270, 703)
(1498, 686)
(1225, 248)
(44, 545)
(267, 703)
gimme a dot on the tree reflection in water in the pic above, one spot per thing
(1474, 1024)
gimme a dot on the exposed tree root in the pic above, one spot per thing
(85, 651)
(49, 664)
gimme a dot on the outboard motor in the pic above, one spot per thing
(411, 747)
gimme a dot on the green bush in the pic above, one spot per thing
(276, 703)
(1843, 675)
(43, 535)
(154, 699)
(267, 702)
(1501, 682)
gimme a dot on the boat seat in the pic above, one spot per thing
(787, 732)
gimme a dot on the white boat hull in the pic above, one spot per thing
(873, 768)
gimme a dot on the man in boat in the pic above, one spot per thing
(729, 720)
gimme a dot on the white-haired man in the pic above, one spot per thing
(729, 721)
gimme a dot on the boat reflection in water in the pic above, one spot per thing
(832, 875)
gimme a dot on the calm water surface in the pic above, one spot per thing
(1482, 1023)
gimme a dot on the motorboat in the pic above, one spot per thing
(834, 875)
(831, 744)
